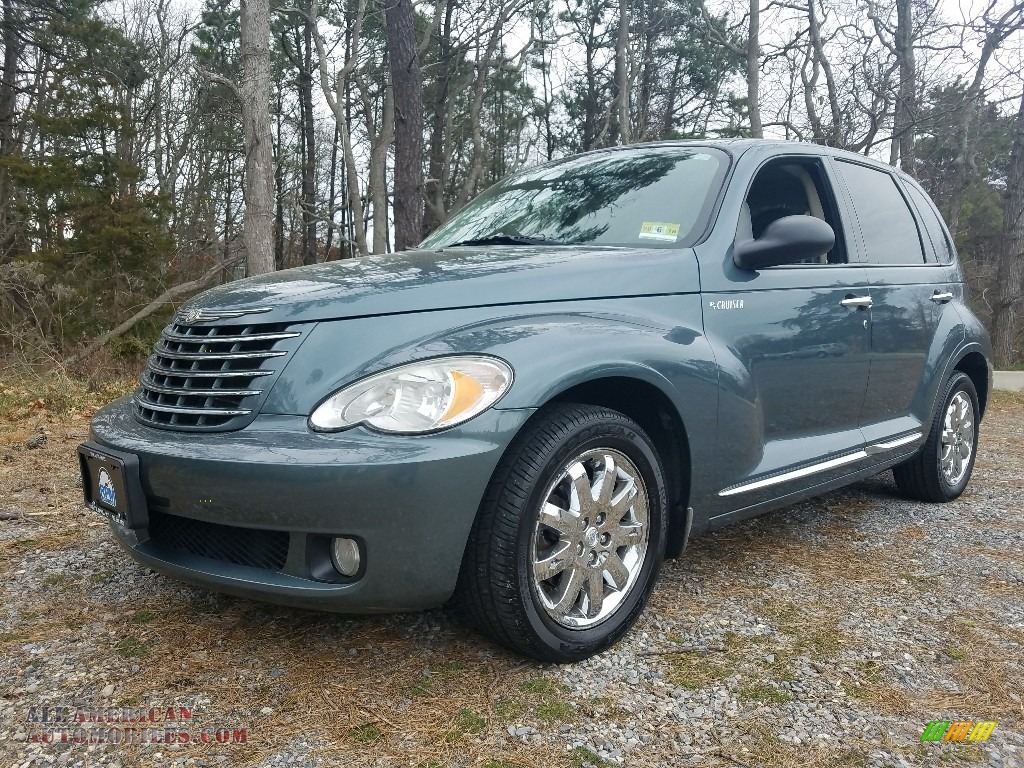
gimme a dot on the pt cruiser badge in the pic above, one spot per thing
(726, 304)
(542, 402)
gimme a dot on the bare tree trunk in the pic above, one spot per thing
(622, 76)
(669, 118)
(649, 74)
(476, 166)
(903, 121)
(1011, 254)
(229, 223)
(835, 135)
(754, 69)
(437, 165)
(342, 118)
(590, 104)
(254, 92)
(549, 98)
(407, 85)
(332, 194)
(308, 145)
(8, 111)
(279, 190)
(377, 177)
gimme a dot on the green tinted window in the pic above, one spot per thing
(650, 197)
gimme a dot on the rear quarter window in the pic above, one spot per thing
(933, 226)
(887, 226)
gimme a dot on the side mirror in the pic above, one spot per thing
(785, 241)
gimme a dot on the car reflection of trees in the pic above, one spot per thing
(820, 320)
(833, 349)
(566, 202)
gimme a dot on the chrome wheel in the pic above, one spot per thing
(957, 439)
(941, 469)
(590, 539)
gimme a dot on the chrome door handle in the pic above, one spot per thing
(941, 298)
(857, 301)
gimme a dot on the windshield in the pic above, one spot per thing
(650, 196)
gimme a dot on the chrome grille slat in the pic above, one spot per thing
(190, 411)
(150, 386)
(210, 377)
(168, 336)
(154, 368)
(164, 352)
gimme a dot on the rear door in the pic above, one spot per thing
(911, 290)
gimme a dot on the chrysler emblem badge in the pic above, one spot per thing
(197, 315)
(189, 316)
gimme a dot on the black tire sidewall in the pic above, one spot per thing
(621, 435)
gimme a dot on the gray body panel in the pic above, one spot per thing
(781, 390)
(424, 281)
(408, 500)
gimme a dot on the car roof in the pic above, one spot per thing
(738, 146)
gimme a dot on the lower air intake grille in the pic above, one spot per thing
(227, 543)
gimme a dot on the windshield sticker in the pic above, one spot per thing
(659, 230)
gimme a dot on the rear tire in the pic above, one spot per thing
(941, 469)
(570, 536)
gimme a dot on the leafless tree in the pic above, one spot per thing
(407, 86)
(1010, 268)
(254, 94)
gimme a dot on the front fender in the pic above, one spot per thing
(552, 348)
(654, 339)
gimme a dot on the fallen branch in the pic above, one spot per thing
(167, 296)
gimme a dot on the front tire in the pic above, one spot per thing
(940, 471)
(570, 535)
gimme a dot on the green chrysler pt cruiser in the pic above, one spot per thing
(595, 359)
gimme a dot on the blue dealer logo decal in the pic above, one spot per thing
(107, 494)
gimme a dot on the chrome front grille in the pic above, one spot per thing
(209, 377)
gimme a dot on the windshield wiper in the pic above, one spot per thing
(508, 240)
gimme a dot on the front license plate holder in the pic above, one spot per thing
(112, 485)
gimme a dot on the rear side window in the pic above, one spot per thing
(932, 225)
(889, 230)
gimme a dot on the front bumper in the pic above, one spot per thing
(409, 500)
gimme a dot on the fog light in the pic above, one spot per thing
(345, 556)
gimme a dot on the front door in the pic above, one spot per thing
(797, 342)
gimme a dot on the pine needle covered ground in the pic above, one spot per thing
(828, 634)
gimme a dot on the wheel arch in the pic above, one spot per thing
(652, 409)
(975, 365)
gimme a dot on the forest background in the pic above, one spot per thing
(150, 148)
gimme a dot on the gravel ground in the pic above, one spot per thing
(827, 634)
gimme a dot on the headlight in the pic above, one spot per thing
(419, 397)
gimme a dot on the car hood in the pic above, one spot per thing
(421, 280)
